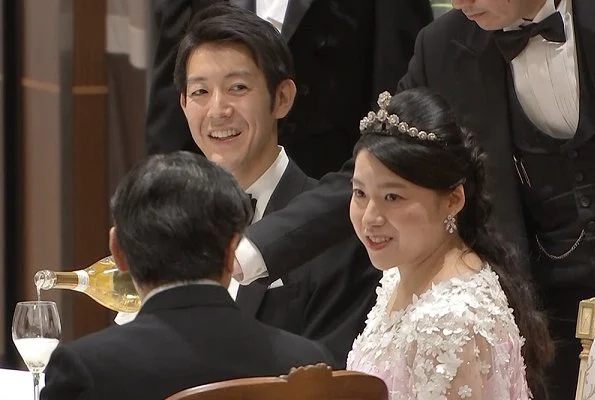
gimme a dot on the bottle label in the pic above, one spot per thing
(83, 281)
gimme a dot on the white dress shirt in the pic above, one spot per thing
(272, 11)
(546, 77)
(261, 190)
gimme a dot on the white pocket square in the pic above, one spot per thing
(276, 284)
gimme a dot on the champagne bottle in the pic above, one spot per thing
(102, 281)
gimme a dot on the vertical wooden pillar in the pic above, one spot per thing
(65, 170)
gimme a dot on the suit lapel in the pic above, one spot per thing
(296, 9)
(481, 93)
(482, 73)
(489, 69)
(292, 183)
(247, 4)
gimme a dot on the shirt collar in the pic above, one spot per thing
(549, 7)
(169, 286)
(263, 187)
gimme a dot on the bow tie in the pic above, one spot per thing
(512, 43)
(253, 202)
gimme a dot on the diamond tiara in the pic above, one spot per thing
(383, 121)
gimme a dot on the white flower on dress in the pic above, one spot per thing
(448, 363)
(465, 392)
(484, 368)
(418, 351)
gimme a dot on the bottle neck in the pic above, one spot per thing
(74, 280)
(67, 280)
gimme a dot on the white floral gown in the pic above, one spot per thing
(458, 340)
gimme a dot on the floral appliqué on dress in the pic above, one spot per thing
(458, 340)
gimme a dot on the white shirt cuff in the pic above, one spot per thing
(124, 318)
(251, 262)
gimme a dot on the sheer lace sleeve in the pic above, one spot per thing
(458, 340)
(468, 356)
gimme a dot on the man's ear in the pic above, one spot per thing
(116, 250)
(284, 98)
(183, 102)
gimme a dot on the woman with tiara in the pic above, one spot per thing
(455, 316)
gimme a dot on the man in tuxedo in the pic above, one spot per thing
(521, 73)
(346, 52)
(177, 220)
(234, 75)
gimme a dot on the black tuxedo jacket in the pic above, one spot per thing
(345, 52)
(182, 337)
(328, 298)
(456, 58)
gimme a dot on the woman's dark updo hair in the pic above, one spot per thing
(455, 158)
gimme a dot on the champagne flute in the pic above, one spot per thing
(36, 333)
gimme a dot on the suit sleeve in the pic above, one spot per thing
(166, 126)
(312, 222)
(416, 75)
(67, 378)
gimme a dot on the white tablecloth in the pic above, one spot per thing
(17, 385)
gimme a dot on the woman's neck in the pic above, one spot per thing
(451, 258)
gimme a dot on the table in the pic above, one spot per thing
(17, 385)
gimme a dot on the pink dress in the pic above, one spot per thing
(458, 340)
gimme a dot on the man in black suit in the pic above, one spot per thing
(529, 95)
(346, 52)
(234, 74)
(177, 221)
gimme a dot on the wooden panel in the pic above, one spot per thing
(42, 185)
(41, 21)
(89, 37)
(89, 157)
(65, 153)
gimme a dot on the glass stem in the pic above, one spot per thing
(35, 386)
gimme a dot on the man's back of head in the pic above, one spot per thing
(177, 218)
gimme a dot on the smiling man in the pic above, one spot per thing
(234, 73)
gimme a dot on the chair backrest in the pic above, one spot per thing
(312, 382)
(585, 332)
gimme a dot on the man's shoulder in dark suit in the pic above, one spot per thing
(169, 349)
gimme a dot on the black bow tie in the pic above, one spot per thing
(512, 43)
(253, 201)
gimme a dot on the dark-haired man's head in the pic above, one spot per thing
(177, 218)
(234, 73)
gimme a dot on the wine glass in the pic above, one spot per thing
(36, 333)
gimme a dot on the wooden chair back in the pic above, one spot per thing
(313, 382)
(585, 332)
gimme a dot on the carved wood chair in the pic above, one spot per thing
(585, 332)
(312, 382)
